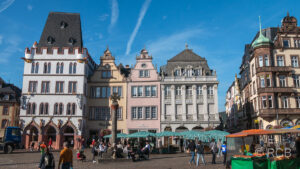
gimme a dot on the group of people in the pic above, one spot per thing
(215, 148)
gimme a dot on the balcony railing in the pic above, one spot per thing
(275, 90)
(183, 78)
(281, 111)
(274, 69)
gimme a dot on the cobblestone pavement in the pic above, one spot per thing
(30, 160)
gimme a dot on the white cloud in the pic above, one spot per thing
(5, 4)
(138, 24)
(114, 14)
(29, 7)
(103, 17)
(1, 39)
(11, 48)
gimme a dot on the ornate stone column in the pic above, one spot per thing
(173, 104)
(205, 109)
(194, 92)
(162, 116)
(183, 103)
(114, 107)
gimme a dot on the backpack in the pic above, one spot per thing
(49, 160)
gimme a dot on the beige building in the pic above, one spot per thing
(9, 106)
(107, 79)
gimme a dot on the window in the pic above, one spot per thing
(270, 101)
(178, 91)
(147, 112)
(46, 108)
(32, 86)
(282, 81)
(144, 73)
(294, 61)
(153, 113)
(4, 123)
(298, 100)
(45, 87)
(59, 88)
(286, 43)
(140, 91)
(189, 91)
(253, 70)
(134, 91)
(28, 111)
(35, 67)
(260, 61)
(285, 102)
(199, 90)
(74, 68)
(268, 80)
(197, 72)
(210, 90)
(61, 108)
(280, 61)
(177, 72)
(267, 63)
(33, 108)
(140, 112)
(5, 110)
(55, 108)
(47, 68)
(168, 91)
(119, 113)
(264, 102)
(72, 87)
(70, 68)
(297, 43)
(189, 72)
(262, 81)
(117, 90)
(296, 80)
(133, 113)
(32, 67)
(61, 71)
(42, 108)
(68, 109)
(73, 108)
(147, 91)
(153, 91)
(254, 89)
(106, 74)
(57, 67)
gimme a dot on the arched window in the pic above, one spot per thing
(42, 108)
(33, 107)
(46, 108)
(37, 67)
(69, 109)
(57, 67)
(4, 123)
(32, 67)
(70, 68)
(74, 68)
(73, 108)
(45, 68)
(28, 108)
(49, 68)
(61, 108)
(55, 108)
(61, 68)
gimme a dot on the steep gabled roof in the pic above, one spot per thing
(187, 55)
(63, 30)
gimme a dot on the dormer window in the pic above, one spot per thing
(72, 40)
(177, 72)
(50, 40)
(63, 24)
(286, 43)
(197, 72)
(144, 65)
(189, 72)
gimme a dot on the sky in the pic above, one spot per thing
(216, 30)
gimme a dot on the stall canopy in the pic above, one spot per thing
(141, 134)
(253, 132)
(167, 134)
(205, 136)
(119, 135)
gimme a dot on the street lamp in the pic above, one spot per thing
(24, 101)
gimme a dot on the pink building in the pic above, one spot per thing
(143, 102)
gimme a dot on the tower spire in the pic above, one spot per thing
(186, 46)
(259, 25)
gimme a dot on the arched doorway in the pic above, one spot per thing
(33, 134)
(68, 135)
(181, 129)
(167, 140)
(51, 133)
(286, 123)
(197, 128)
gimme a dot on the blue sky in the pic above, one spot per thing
(216, 30)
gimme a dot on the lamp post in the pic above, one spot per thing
(114, 107)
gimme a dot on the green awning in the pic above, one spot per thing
(119, 135)
(141, 134)
(167, 134)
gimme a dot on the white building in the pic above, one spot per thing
(54, 83)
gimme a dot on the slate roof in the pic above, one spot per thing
(11, 90)
(268, 32)
(63, 28)
(186, 55)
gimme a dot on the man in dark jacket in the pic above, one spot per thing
(214, 150)
(47, 161)
(191, 148)
(200, 152)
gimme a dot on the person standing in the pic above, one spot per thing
(94, 152)
(214, 149)
(50, 143)
(43, 147)
(47, 161)
(200, 152)
(191, 147)
(224, 151)
(66, 157)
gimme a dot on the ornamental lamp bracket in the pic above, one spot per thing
(115, 97)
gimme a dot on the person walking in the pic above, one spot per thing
(43, 147)
(191, 147)
(50, 143)
(214, 149)
(94, 152)
(200, 152)
(47, 160)
(66, 157)
(224, 151)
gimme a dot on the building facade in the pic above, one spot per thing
(189, 93)
(143, 98)
(270, 77)
(55, 83)
(107, 78)
(9, 106)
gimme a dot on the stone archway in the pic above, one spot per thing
(32, 135)
(197, 128)
(181, 129)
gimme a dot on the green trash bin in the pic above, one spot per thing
(239, 162)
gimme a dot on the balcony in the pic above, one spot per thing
(189, 79)
(274, 69)
(275, 90)
(271, 113)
